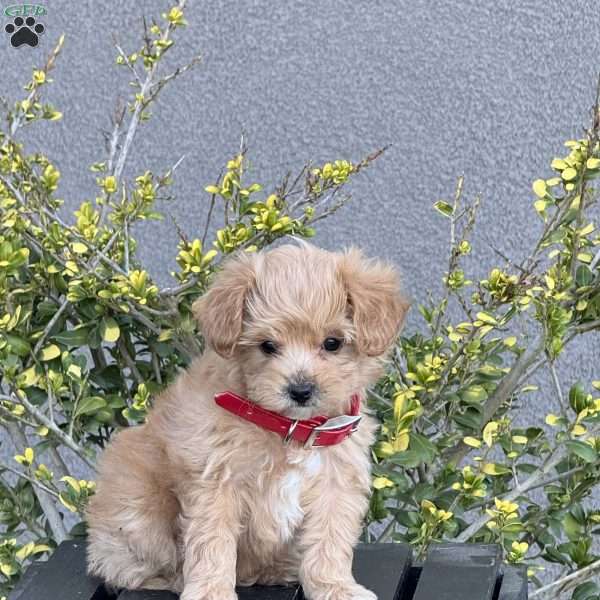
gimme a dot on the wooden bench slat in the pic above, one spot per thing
(272, 592)
(450, 572)
(62, 576)
(30, 574)
(459, 572)
(382, 568)
(514, 583)
(147, 595)
(256, 592)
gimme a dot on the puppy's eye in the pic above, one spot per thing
(332, 344)
(268, 347)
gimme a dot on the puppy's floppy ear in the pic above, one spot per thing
(220, 310)
(374, 301)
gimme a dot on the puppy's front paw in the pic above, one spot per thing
(346, 591)
(198, 593)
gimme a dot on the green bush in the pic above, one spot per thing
(454, 459)
(87, 338)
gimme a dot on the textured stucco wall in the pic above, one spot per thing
(488, 89)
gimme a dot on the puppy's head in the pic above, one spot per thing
(307, 327)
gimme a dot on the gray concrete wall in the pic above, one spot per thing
(488, 89)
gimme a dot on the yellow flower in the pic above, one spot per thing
(506, 506)
(489, 431)
(471, 441)
(520, 547)
(382, 482)
(39, 77)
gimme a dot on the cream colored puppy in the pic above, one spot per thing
(269, 481)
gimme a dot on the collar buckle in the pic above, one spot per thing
(290, 432)
(332, 424)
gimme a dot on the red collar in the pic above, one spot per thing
(318, 431)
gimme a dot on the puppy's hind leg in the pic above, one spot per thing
(123, 560)
(132, 518)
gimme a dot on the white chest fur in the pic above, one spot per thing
(281, 496)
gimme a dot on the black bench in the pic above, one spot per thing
(450, 572)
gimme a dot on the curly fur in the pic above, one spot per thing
(197, 500)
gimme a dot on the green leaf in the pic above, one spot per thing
(578, 397)
(109, 330)
(28, 377)
(90, 405)
(569, 174)
(578, 513)
(444, 208)
(471, 419)
(572, 528)
(50, 352)
(73, 337)
(474, 394)
(8, 569)
(408, 459)
(487, 318)
(583, 450)
(66, 501)
(583, 276)
(552, 554)
(18, 345)
(424, 449)
(593, 163)
(79, 248)
(539, 188)
(586, 591)
(494, 469)
(165, 335)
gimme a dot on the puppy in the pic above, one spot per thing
(252, 466)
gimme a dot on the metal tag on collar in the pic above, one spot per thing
(332, 424)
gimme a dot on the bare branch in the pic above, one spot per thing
(47, 504)
(139, 106)
(568, 582)
(532, 481)
(42, 419)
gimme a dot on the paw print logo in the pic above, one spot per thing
(24, 31)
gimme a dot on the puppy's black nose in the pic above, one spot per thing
(301, 392)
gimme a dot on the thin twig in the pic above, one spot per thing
(126, 60)
(568, 582)
(178, 289)
(557, 388)
(38, 484)
(209, 216)
(51, 323)
(534, 486)
(139, 106)
(47, 504)
(42, 419)
(156, 368)
(533, 480)
(82, 389)
(505, 389)
(29, 519)
(158, 86)
(126, 245)
(129, 361)
(17, 122)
